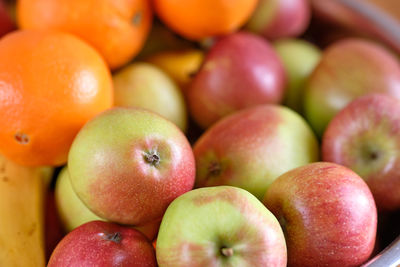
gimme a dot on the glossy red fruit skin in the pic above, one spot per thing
(328, 214)
(290, 18)
(239, 71)
(365, 137)
(90, 245)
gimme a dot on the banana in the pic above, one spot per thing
(22, 195)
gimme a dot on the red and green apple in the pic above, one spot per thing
(327, 213)
(219, 226)
(252, 147)
(128, 164)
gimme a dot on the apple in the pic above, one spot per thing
(150, 229)
(327, 213)
(252, 147)
(275, 19)
(299, 58)
(365, 137)
(348, 69)
(6, 23)
(128, 164)
(73, 212)
(180, 65)
(219, 226)
(99, 243)
(239, 71)
(146, 86)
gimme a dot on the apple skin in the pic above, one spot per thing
(128, 164)
(327, 213)
(252, 147)
(219, 226)
(71, 209)
(73, 212)
(240, 70)
(144, 85)
(365, 137)
(275, 19)
(99, 243)
(348, 69)
(299, 58)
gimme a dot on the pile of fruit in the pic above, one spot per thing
(196, 133)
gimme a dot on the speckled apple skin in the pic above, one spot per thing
(239, 71)
(348, 69)
(110, 174)
(87, 246)
(199, 223)
(328, 215)
(365, 137)
(74, 213)
(275, 19)
(253, 147)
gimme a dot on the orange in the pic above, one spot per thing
(51, 83)
(199, 19)
(116, 28)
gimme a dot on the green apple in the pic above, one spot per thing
(70, 208)
(144, 85)
(299, 58)
(252, 147)
(219, 226)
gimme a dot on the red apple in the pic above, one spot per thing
(365, 137)
(99, 243)
(252, 147)
(348, 69)
(239, 71)
(276, 19)
(128, 164)
(327, 213)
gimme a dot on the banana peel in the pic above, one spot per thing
(22, 196)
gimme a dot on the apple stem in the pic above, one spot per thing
(114, 237)
(152, 157)
(214, 168)
(227, 252)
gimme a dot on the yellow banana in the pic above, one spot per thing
(22, 196)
